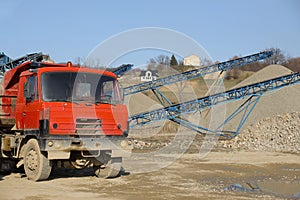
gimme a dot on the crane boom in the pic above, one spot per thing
(122, 69)
(36, 57)
(4, 58)
(223, 66)
(173, 111)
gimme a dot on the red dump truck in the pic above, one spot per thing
(61, 115)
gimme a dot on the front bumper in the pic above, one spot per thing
(61, 148)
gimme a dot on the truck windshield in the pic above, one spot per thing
(86, 87)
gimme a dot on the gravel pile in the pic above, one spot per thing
(278, 102)
(280, 133)
(260, 132)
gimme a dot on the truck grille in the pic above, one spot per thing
(86, 126)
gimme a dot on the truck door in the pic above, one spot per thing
(31, 110)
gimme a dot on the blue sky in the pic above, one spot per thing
(69, 29)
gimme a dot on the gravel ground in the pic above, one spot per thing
(214, 177)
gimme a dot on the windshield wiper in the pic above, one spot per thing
(103, 101)
(107, 102)
(59, 100)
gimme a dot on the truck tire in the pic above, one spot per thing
(109, 170)
(37, 167)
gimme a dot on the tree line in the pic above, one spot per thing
(279, 58)
(162, 62)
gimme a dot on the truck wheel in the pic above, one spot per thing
(37, 167)
(109, 170)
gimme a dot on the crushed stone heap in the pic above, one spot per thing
(280, 133)
(285, 100)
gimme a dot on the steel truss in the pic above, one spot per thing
(252, 93)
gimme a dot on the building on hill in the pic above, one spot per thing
(192, 60)
(149, 75)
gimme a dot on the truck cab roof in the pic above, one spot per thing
(12, 76)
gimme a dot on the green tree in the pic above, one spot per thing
(173, 61)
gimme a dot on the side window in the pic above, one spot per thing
(108, 87)
(30, 89)
(121, 91)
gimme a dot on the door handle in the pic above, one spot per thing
(24, 114)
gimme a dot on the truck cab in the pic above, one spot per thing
(66, 116)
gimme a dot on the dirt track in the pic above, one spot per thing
(189, 177)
